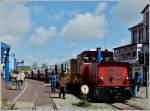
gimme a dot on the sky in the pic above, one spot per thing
(55, 31)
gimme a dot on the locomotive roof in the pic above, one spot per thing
(93, 52)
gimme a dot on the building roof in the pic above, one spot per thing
(137, 25)
(145, 8)
(129, 45)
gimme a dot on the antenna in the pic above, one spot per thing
(105, 40)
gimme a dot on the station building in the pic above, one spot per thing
(137, 52)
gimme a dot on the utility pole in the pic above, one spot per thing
(105, 40)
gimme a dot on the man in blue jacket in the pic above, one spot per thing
(134, 82)
(53, 80)
(139, 81)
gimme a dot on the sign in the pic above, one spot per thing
(84, 89)
(19, 61)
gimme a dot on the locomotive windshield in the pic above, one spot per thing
(107, 56)
(88, 56)
(91, 56)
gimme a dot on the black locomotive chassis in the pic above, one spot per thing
(111, 93)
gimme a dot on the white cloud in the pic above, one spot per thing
(72, 44)
(14, 22)
(85, 25)
(100, 8)
(60, 15)
(127, 12)
(37, 9)
(41, 35)
(13, 40)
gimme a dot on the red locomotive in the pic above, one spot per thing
(105, 77)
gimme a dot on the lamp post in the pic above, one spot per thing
(13, 56)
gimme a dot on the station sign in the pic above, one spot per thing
(19, 61)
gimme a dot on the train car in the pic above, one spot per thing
(105, 77)
(42, 74)
(34, 74)
(69, 69)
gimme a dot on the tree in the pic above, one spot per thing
(34, 66)
(44, 65)
(24, 69)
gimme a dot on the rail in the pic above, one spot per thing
(128, 106)
(52, 103)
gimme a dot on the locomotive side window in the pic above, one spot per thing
(89, 57)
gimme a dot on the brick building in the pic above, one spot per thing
(138, 47)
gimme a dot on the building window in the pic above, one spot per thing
(134, 54)
(128, 55)
(123, 57)
(147, 17)
(141, 36)
(134, 35)
(147, 34)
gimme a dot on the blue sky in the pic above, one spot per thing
(52, 32)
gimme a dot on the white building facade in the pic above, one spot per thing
(139, 45)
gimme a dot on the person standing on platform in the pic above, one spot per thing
(18, 78)
(13, 78)
(135, 82)
(63, 84)
(22, 77)
(53, 80)
(139, 81)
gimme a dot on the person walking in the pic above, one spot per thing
(22, 77)
(139, 81)
(63, 84)
(18, 78)
(53, 80)
(13, 78)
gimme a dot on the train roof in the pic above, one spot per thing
(93, 52)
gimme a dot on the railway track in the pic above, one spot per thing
(35, 98)
(135, 106)
(126, 106)
(52, 103)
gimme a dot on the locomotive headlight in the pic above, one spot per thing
(127, 78)
(102, 78)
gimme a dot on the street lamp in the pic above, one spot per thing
(13, 56)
